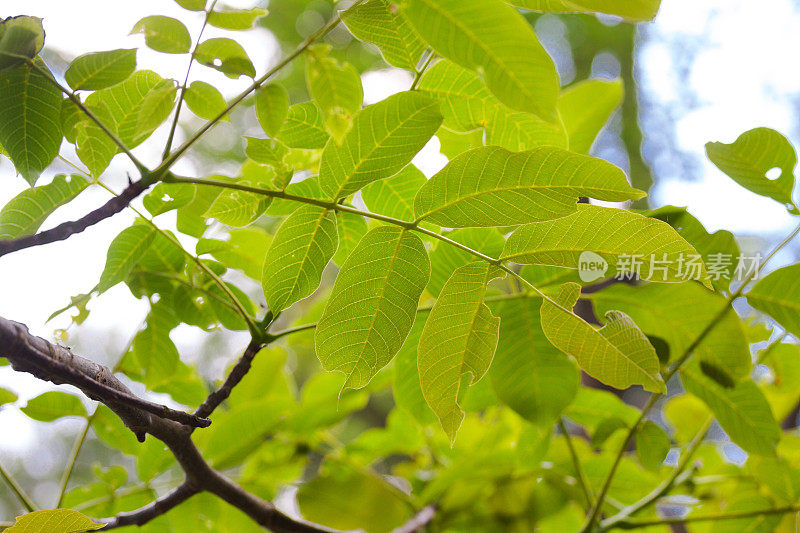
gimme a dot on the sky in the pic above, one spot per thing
(714, 67)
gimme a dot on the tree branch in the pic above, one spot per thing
(59, 365)
(638, 524)
(152, 510)
(67, 229)
(237, 373)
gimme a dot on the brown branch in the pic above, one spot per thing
(237, 373)
(67, 229)
(142, 516)
(59, 365)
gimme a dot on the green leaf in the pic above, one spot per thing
(192, 5)
(302, 247)
(265, 151)
(652, 445)
(165, 197)
(26, 212)
(154, 352)
(372, 305)
(592, 406)
(164, 34)
(93, 146)
(778, 295)
(334, 86)
(634, 10)
(304, 127)
(585, 108)
(527, 373)
(491, 186)
(99, 70)
(475, 34)
(244, 250)
(272, 107)
(55, 521)
(349, 499)
(350, 228)
(30, 119)
(459, 338)
(751, 159)
(742, 411)
(205, 100)
(238, 208)
(394, 197)
(127, 100)
(20, 37)
(6, 396)
(446, 258)
(379, 23)
(678, 314)
(384, 138)
(226, 56)
(618, 354)
(123, 253)
(467, 104)
(239, 19)
(615, 236)
(54, 405)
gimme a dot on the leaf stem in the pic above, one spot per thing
(638, 524)
(319, 34)
(418, 74)
(19, 491)
(576, 463)
(181, 96)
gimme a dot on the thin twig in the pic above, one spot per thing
(18, 491)
(576, 463)
(639, 524)
(237, 373)
(152, 510)
(418, 74)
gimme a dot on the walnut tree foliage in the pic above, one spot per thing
(416, 343)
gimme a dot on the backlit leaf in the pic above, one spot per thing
(585, 108)
(778, 295)
(26, 212)
(304, 127)
(53, 405)
(333, 86)
(652, 445)
(394, 197)
(93, 146)
(99, 70)
(491, 186)
(164, 34)
(272, 107)
(240, 19)
(351, 228)
(377, 22)
(475, 34)
(55, 521)
(30, 119)
(635, 10)
(302, 247)
(446, 258)
(459, 338)
(205, 100)
(20, 37)
(752, 159)
(618, 354)
(611, 235)
(225, 55)
(384, 138)
(123, 253)
(372, 305)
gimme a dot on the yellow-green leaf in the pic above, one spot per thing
(99, 70)
(54, 521)
(164, 34)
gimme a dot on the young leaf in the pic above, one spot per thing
(527, 373)
(377, 22)
(633, 10)
(205, 100)
(157, 105)
(123, 253)
(53, 405)
(30, 119)
(394, 197)
(272, 106)
(459, 338)
(372, 305)
(55, 521)
(164, 34)
(618, 354)
(655, 250)
(467, 104)
(26, 212)
(750, 159)
(304, 127)
(93, 146)
(585, 108)
(126, 100)
(742, 411)
(491, 186)
(678, 313)
(20, 37)
(302, 247)
(335, 87)
(652, 445)
(475, 34)
(384, 138)
(226, 56)
(240, 19)
(99, 70)
(778, 295)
